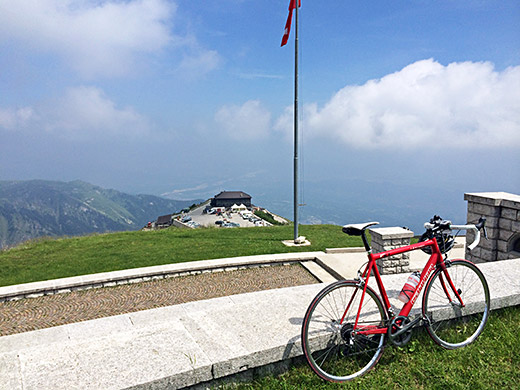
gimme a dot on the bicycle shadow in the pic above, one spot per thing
(293, 348)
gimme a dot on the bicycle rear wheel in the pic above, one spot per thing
(333, 350)
(450, 324)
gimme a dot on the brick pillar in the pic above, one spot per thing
(502, 213)
(384, 239)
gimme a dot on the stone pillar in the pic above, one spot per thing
(502, 213)
(384, 239)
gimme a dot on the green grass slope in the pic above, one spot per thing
(57, 258)
(491, 362)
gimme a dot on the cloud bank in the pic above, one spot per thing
(250, 121)
(81, 113)
(104, 38)
(426, 104)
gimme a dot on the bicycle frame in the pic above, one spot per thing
(434, 261)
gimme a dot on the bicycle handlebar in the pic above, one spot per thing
(439, 224)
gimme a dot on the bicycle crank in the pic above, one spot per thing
(400, 330)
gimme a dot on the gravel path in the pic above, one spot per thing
(48, 311)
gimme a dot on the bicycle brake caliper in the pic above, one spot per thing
(360, 282)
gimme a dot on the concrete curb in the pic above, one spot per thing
(345, 250)
(191, 344)
(136, 275)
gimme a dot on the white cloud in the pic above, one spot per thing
(199, 62)
(426, 104)
(12, 119)
(249, 121)
(83, 112)
(253, 76)
(285, 123)
(96, 38)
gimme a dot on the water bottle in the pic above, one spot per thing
(409, 287)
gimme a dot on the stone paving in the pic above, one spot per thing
(190, 343)
(44, 312)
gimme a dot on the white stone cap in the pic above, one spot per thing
(391, 232)
(492, 198)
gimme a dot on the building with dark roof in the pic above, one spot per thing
(164, 221)
(229, 198)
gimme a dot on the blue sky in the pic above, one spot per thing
(189, 98)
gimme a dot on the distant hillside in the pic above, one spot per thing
(36, 208)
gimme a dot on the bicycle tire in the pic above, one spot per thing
(450, 325)
(333, 352)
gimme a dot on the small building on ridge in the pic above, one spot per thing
(229, 198)
(164, 221)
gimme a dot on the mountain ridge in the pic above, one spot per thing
(36, 208)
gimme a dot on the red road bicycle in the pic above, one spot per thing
(347, 324)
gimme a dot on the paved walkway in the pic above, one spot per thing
(185, 344)
(60, 309)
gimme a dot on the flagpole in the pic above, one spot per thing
(296, 222)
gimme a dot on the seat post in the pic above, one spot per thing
(365, 241)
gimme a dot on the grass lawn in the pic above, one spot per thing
(491, 362)
(63, 257)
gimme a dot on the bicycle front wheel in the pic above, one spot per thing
(453, 324)
(333, 348)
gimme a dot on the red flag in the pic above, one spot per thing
(292, 5)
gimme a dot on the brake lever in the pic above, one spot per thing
(481, 225)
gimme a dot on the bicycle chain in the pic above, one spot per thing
(344, 342)
(388, 324)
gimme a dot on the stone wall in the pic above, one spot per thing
(179, 224)
(384, 239)
(502, 213)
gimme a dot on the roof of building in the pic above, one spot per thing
(232, 195)
(164, 219)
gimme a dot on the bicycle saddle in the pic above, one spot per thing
(357, 228)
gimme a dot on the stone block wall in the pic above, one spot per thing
(384, 239)
(180, 224)
(502, 213)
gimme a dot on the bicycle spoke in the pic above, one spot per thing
(450, 324)
(335, 351)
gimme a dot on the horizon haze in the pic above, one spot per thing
(404, 106)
